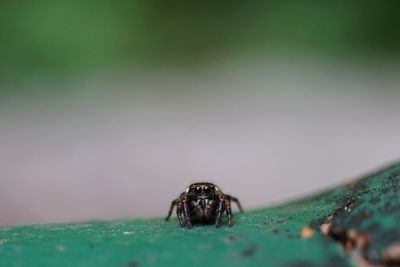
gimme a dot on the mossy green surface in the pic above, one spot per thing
(268, 237)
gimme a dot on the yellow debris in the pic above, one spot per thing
(306, 232)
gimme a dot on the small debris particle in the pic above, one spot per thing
(306, 232)
(248, 252)
(2, 241)
(127, 233)
(132, 264)
(292, 236)
(279, 220)
(299, 264)
(391, 255)
(231, 238)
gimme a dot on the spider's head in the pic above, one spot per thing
(202, 190)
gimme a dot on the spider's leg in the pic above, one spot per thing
(179, 213)
(186, 213)
(228, 211)
(220, 211)
(234, 199)
(171, 208)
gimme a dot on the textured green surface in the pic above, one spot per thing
(268, 237)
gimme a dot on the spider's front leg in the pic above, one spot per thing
(186, 212)
(179, 213)
(171, 208)
(228, 211)
(219, 211)
(234, 199)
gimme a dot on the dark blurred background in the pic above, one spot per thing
(108, 109)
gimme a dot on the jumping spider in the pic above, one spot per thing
(203, 202)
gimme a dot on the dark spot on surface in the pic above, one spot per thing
(91, 246)
(279, 220)
(300, 263)
(248, 252)
(292, 236)
(275, 231)
(132, 264)
(231, 238)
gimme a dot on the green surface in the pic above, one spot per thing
(268, 237)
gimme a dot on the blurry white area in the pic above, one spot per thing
(124, 147)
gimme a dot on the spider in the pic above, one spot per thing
(203, 202)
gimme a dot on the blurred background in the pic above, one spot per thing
(109, 109)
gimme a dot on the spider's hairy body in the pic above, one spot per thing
(202, 202)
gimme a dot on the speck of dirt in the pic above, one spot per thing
(231, 238)
(293, 236)
(248, 252)
(279, 220)
(132, 264)
(275, 231)
(127, 233)
(306, 232)
(300, 263)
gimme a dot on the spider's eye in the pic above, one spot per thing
(198, 189)
(207, 189)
